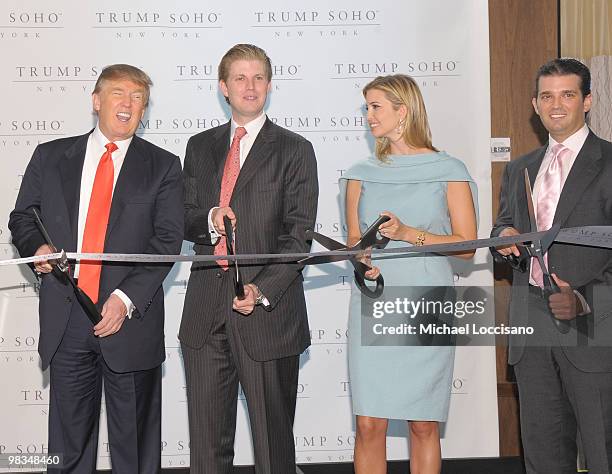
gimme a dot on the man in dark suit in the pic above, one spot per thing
(564, 380)
(106, 191)
(263, 178)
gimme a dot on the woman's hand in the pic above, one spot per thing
(393, 228)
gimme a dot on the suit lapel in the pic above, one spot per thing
(133, 171)
(259, 152)
(583, 172)
(221, 149)
(70, 170)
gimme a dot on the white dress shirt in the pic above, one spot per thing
(96, 147)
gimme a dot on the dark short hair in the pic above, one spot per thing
(565, 67)
(125, 71)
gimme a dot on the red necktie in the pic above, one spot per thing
(96, 223)
(548, 197)
(230, 175)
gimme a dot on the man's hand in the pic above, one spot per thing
(113, 313)
(365, 258)
(217, 219)
(563, 305)
(245, 306)
(43, 266)
(508, 231)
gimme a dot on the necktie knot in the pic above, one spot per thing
(239, 133)
(556, 165)
(559, 151)
(110, 147)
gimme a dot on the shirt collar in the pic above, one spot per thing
(102, 141)
(253, 127)
(574, 142)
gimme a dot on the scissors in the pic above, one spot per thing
(229, 237)
(368, 240)
(61, 269)
(536, 249)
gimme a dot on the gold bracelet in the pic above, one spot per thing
(420, 240)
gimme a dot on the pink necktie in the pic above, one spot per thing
(548, 197)
(230, 175)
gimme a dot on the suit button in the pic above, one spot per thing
(68, 299)
(219, 274)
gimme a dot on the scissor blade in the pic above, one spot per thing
(318, 259)
(328, 243)
(229, 235)
(549, 237)
(370, 236)
(532, 219)
(43, 231)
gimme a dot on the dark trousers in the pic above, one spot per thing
(133, 406)
(270, 388)
(556, 400)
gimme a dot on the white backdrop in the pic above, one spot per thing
(323, 53)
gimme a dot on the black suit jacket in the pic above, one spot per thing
(275, 202)
(586, 200)
(146, 217)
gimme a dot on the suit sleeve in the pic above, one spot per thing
(300, 196)
(144, 281)
(196, 218)
(504, 215)
(24, 232)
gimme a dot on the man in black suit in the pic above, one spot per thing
(564, 380)
(255, 341)
(110, 191)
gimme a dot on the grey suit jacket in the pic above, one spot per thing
(275, 202)
(146, 217)
(586, 199)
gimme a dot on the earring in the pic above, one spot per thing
(400, 126)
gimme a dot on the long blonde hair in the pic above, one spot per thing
(401, 89)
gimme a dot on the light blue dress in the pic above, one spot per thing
(404, 382)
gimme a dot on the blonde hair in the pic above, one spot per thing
(125, 71)
(243, 51)
(401, 89)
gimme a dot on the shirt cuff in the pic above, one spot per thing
(214, 235)
(585, 306)
(126, 301)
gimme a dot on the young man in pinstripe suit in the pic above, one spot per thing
(257, 340)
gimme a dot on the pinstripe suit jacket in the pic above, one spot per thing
(275, 202)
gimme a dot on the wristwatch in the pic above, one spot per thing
(260, 297)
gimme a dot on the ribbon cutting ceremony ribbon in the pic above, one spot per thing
(589, 236)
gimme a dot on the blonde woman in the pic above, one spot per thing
(430, 199)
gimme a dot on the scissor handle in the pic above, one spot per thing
(370, 236)
(360, 269)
